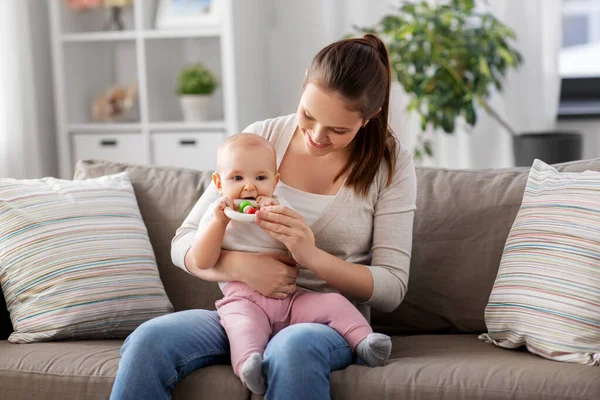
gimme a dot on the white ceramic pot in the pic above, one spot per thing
(195, 107)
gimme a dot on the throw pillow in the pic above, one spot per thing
(547, 292)
(75, 259)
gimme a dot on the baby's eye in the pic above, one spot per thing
(237, 178)
(261, 178)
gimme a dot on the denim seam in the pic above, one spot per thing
(187, 360)
(341, 347)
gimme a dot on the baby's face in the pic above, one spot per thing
(247, 172)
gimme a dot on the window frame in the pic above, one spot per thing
(580, 96)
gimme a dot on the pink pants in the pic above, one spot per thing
(251, 319)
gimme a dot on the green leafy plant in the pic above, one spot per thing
(448, 57)
(196, 80)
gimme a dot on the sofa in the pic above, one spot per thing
(461, 225)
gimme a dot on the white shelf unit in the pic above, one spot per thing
(87, 60)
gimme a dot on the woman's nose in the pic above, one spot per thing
(319, 133)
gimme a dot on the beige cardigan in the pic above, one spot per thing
(375, 231)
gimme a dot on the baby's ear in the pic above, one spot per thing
(217, 181)
(276, 179)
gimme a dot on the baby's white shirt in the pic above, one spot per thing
(245, 236)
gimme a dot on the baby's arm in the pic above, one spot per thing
(210, 235)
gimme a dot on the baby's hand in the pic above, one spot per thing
(264, 201)
(219, 211)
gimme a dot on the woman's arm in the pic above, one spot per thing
(271, 275)
(392, 235)
(352, 280)
(384, 283)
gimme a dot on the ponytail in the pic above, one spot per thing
(359, 70)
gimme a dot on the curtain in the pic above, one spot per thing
(27, 147)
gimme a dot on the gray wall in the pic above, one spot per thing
(591, 134)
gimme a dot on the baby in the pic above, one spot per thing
(247, 169)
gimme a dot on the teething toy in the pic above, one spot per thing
(245, 210)
(246, 207)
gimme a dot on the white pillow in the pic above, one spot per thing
(75, 259)
(547, 292)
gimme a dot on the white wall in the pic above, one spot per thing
(300, 29)
(42, 71)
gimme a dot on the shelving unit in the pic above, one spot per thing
(88, 60)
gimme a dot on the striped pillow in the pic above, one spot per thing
(547, 292)
(75, 259)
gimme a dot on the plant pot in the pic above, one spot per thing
(195, 107)
(551, 147)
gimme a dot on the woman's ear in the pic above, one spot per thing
(375, 113)
(217, 181)
(372, 116)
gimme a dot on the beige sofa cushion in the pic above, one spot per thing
(461, 224)
(462, 221)
(87, 369)
(443, 367)
(453, 367)
(165, 197)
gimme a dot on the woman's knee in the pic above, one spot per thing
(304, 343)
(154, 338)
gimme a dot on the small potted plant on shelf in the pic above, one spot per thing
(448, 57)
(195, 87)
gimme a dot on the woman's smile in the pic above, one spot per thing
(313, 143)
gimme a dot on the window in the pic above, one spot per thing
(580, 58)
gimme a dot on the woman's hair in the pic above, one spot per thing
(358, 69)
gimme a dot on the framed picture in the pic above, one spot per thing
(187, 14)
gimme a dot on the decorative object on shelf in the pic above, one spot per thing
(116, 6)
(115, 21)
(447, 57)
(82, 5)
(195, 87)
(117, 103)
(186, 14)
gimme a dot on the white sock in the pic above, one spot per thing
(375, 349)
(251, 374)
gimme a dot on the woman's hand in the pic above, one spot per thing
(273, 275)
(287, 226)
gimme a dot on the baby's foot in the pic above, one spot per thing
(375, 349)
(251, 374)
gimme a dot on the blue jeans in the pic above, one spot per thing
(163, 351)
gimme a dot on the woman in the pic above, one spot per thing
(353, 188)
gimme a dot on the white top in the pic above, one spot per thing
(244, 236)
(373, 230)
(310, 205)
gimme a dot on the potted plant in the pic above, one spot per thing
(448, 57)
(195, 87)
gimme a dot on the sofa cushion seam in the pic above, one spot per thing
(472, 389)
(56, 374)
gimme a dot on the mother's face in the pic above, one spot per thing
(326, 123)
